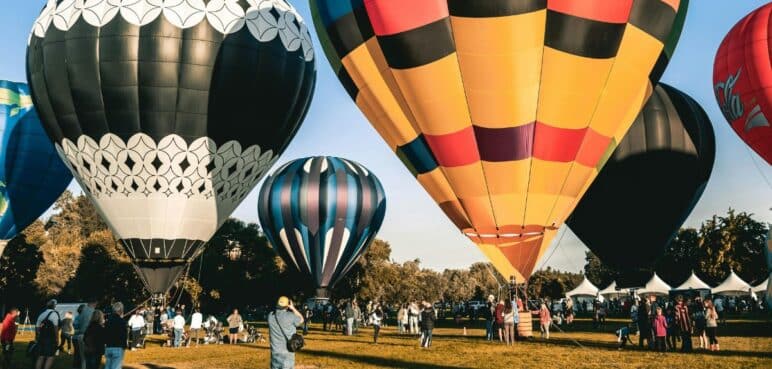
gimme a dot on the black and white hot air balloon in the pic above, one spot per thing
(168, 112)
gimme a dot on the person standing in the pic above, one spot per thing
(8, 336)
(307, 315)
(179, 328)
(509, 323)
(81, 324)
(136, 323)
(711, 324)
(195, 325)
(659, 325)
(67, 331)
(46, 335)
(644, 325)
(349, 315)
(545, 320)
(428, 317)
(569, 311)
(498, 314)
(94, 341)
(413, 317)
(376, 318)
(698, 317)
(488, 312)
(234, 323)
(684, 324)
(282, 324)
(402, 318)
(116, 337)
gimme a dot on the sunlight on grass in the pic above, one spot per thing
(451, 349)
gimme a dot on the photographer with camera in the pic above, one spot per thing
(282, 325)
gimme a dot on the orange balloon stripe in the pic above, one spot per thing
(454, 149)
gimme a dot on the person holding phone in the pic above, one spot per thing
(282, 324)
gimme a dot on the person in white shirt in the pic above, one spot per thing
(195, 325)
(179, 327)
(136, 323)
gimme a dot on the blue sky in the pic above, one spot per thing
(414, 225)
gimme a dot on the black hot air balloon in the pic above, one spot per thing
(168, 112)
(649, 186)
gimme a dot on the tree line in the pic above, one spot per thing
(73, 256)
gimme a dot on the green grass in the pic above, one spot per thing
(744, 344)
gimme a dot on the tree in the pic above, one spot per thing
(597, 272)
(19, 266)
(732, 242)
(460, 285)
(680, 257)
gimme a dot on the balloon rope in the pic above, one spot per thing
(560, 240)
(487, 266)
(137, 307)
(758, 168)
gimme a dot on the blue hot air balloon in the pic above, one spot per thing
(321, 214)
(31, 175)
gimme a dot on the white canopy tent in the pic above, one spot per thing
(612, 292)
(761, 287)
(733, 285)
(655, 286)
(584, 289)
(693, 283)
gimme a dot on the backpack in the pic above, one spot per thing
(47, 329)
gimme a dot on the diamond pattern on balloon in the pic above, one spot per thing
(100, 12)
(141, 167)
(184, 13)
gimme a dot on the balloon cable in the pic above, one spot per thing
(758, 168)
(560, 240)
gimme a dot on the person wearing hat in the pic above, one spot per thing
(282, 324)
(46, 335)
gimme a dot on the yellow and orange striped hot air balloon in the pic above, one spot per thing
(504, 110)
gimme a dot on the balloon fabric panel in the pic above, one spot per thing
(503, 110)
(169, 113)
(742, 80)
(321, 214)
(32, 175)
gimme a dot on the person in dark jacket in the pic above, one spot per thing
(428, 317)
(94, 341)
(116, 336)
(644, 325)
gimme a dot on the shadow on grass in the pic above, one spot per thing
(147, 366)
(380, 361)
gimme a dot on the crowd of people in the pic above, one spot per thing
(89, 334)
(660, 325)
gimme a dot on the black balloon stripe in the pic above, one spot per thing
(583, 37)
(419, 46)
(654, 17)
(345, 35)
(494, 8)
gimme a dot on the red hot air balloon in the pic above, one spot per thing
(742, 80)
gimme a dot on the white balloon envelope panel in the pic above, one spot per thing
(168, 112)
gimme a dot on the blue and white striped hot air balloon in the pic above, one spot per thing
(321, 214)
(31, 174)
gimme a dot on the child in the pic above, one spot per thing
(623, 336)
(375, 318)
(660, 329)
(672, 328)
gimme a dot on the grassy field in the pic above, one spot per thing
(745, 344)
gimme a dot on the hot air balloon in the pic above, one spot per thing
(649, 186)
(742, 80)
(169, 112)
(31, 174)
(321, 214)
(504, 111)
